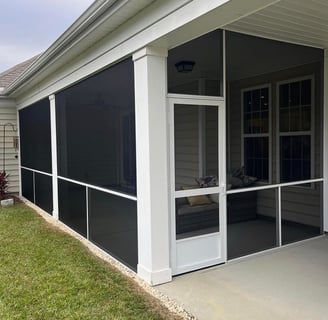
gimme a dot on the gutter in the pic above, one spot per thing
(99, 11)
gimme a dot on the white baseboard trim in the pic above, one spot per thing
(154, 277)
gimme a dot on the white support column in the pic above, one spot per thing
(54, 155)
(152, 165)
(325, 143)
(19, 157)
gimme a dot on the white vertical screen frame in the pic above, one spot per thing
(19, 157)
(278, 217)
(250, 135)
(33, 175)
(325, 142)
(87, 208)
(225, 140)
(224, 66)
(222, 175)
(201, 143)
(53, 127)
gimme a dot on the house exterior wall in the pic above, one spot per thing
(8, 116)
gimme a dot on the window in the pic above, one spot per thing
(256, 132)
(295, 130)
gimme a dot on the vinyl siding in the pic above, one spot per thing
(186, 146)
(9, 115)
(211, 143)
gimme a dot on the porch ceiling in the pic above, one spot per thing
(302, 22)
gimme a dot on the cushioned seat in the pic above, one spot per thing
(195, 217)
(187, 209)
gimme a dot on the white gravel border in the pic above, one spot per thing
(169, 303)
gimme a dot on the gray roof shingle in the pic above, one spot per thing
(9, 76)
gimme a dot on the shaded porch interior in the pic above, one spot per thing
(274, 112)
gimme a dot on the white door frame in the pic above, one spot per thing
(218, 240)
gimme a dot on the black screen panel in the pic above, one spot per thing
(72, 206)
(43, 192)
(113, 226)
(96, 130)
(35, 136)
(27, 184)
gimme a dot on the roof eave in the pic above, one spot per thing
(89, 19)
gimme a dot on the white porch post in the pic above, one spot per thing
(54, 155)
(152, 165)
(19, 157)
(325, 143)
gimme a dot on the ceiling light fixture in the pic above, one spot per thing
(185, 66)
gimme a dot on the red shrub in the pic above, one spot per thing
(3, 184)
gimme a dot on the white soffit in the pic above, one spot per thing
(302, 22)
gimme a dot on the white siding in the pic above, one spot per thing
(211, 142)
(186, 146)
(8, 115)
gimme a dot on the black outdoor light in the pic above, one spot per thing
(185, 66)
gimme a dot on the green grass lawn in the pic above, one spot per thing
(46, 274)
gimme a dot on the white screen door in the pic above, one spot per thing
(198, 201)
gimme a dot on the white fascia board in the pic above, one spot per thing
(187, 20)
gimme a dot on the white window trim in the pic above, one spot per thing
(257, 135)
(296, 133)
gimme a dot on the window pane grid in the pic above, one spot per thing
(256, 132)
(295, 106)
(295, 153)
(256, 155)
(256, 114)
(295, 130)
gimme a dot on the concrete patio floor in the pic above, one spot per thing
(289, 283)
